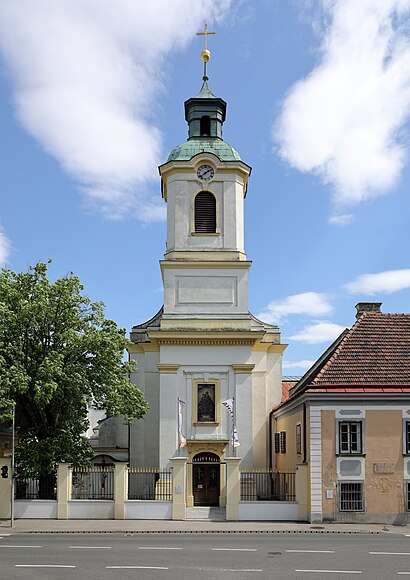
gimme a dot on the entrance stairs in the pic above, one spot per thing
(213, 514)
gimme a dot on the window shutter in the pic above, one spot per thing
(277, 444)
(205, 213)
(283, 441)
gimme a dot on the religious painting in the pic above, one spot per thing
(206, 403)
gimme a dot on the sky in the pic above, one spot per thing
(318, 93)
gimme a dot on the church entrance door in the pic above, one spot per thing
(206, 477)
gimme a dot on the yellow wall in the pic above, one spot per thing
(288, 461)
(329, 473)
(384, 492)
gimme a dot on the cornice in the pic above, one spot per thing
(206, 338)
(243, 369)
(168, 369)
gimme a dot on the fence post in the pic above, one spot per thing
(178, 465)
(64, 483)
(233, 488)
(120, 490)
(301, 491)
(5, 488)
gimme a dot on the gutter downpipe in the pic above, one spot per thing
(270, 462)
(304, 432)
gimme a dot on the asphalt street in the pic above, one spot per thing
(208, 556)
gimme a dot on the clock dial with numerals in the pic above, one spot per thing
(205, 172)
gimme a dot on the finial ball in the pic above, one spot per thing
(205, 55)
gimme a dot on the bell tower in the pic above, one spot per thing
(204, 349)
(204, 183)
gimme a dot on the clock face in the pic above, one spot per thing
(205, 172)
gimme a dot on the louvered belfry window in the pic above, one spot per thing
(205, 213)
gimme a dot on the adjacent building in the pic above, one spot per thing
(347, 422)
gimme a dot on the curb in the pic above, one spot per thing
(135, 532)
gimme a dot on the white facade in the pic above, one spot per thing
(204, 335)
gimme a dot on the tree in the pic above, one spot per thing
(58, 355)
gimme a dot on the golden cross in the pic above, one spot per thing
(205, 34)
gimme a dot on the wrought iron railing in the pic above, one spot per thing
(267, 485)
(93, 483)
(150, 483)
(38, 487)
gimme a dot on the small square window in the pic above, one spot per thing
(299, 439)
(350, 438)
(351, 496)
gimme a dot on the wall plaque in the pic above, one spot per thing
(383, 467)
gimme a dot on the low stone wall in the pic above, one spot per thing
(90, 509)
(35, 509)
(148, 510)
(268, 511)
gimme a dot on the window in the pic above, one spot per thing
(351, 496)
(282, 440)
(206, 403)
(277, 443)
(205, 213)
(205, 127)
(299, 439)
(407, 436)
(350, 437)
(407, 498)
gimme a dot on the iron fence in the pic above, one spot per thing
(150, 483)
(267, 485)
(93, 483)
(38, 487)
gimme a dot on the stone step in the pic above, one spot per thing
(206, 513)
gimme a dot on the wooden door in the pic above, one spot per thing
(206, 479)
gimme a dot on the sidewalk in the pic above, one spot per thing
(190, 526)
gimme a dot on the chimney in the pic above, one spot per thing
(362, 307)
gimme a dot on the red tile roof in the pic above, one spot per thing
(371, 357)
(376, 351)
(286, 387)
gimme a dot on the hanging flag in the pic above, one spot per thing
(181, 438)
(229, 404)
(235, 440)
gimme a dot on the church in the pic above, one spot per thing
(210, 371)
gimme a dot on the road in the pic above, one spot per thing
(203, 556)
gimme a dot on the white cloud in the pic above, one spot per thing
(87, 75)
(387, 282)
(4, 248)
(318, 333)
(341, 219)
(310, 303)
(342, 121)
(301, 364)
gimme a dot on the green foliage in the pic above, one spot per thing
(58, 355)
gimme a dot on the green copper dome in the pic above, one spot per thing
(192, 147)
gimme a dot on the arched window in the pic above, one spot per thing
(205, 213)
(205, 126)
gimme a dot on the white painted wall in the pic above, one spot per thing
(268, 511)
(35, 509)
(87, 509)
(148, 510)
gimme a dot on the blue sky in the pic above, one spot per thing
(318, 92)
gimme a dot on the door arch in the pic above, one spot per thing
(206, 478)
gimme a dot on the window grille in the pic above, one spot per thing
(350, 437)
(351, 496)
(205, 213)
(298, 438)
(283, 441)
(407, 498)
(408, 437)
(277, 443)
